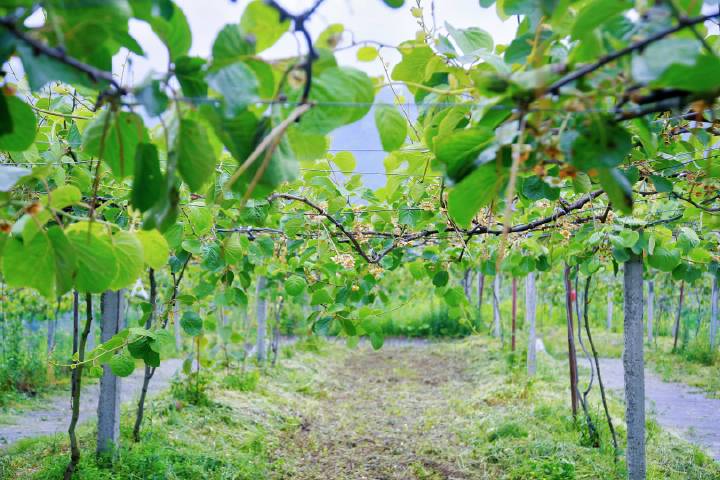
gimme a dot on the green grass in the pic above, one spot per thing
(463, 406)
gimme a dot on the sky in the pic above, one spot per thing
(366, 19)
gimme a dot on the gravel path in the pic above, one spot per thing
(677, 407)
(55, 417)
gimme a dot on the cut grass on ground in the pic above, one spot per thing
(453, 410)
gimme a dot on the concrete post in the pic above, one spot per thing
(634, 366)
(113, 305)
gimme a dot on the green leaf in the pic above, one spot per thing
(22, 122)
(535, 188)
(295, 285)
(97, 264)
(345, 161)
(391, 126)
(440, 279)
(153, 98)
(629, 238)
(475, 191)
(650, 64)
(155, 248)
(413, 64)
(618, 189)
(238, 133)
(65, 260)
(459, 149)
(148, 181)
(454, 297)
(231, 45)
(41, 70)
(662, 184)
(282, 167)
(30, 264)
(686, 272)
(114, 137)
(700, 255)
(471, 39)
(603, 144)
(190, 75)
(700, 77)
(596, 13)
(687, 239)
(237, 84)
(347, 94)
(9, 176)
(129, 254)
(262, 22)
(191, 323)
(664, 259)
(122, 365)
(196, 160)
(64, 196)
(582, 183)
(367, 54)
(321, 297)
(171, 27)
(376, 338)
(394, 3)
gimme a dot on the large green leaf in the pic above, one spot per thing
(196, 160)
(475, 191)
(699, 77)
(155, 248)
(191, 323)
(191, 76)
(238, 85)
(295, 285)
(22, 124)
(603, 144)
(148, 181)
(171, 25)
(412, 66)
(391, 126)
(344, 95)
(596, 13)
(238, 132)
(459, 149)
(618, 188)
(41, 70)
(65, 260)
(657, 57)
(262, 22)
(114, 137)
(97, 264)
(122, 365)
(664, 259)
(281, 168)
(471, 39)
(30, 264)
(129, 254)
(231, 45)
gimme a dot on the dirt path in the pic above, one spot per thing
(676, 407)
(384, 417)
(54, 417)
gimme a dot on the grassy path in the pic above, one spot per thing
(439, 411)
(386, 417)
